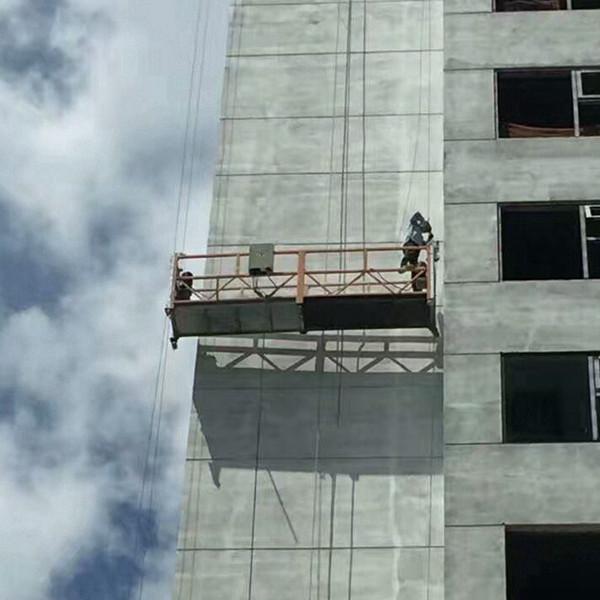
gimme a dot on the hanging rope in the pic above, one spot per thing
(317, 486)
(256, 463)
(190, 182)
(231, 84)
(145, 503)
(404, 213)
(188, 118)
(343, 232)
(364, 127)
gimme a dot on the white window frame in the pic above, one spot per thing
(578, 95)
(594, 374)
(579, 83)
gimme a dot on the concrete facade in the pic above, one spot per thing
(491, 484)
(314, 463)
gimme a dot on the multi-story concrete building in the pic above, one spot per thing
(522, 334)
(316, 463)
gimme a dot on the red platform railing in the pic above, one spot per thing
(303, 273)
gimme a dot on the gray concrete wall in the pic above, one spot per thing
(321, 478)
(489, 483)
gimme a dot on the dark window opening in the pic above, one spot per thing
(548, 398)
(541, 242)
(552, 563)
(525, 5)
(520, 5)
(589, 117)
(585, 4)
(590, 83)
(535, 104)
(592, 233)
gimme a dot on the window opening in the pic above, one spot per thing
(535, 104)
(541, 242)
(552, 563)
(544, 5)
(592, 240)
(588, 102)
(550, 397)
(523, 5)
(548, 103)
(557, 241)
(585, 4)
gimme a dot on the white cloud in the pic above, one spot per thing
(93, 184)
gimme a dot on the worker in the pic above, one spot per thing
(419, 226)
(184, 285)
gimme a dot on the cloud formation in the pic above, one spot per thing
(93, 98)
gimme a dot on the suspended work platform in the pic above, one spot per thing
(266, 290)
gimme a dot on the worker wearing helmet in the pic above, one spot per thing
(419, 228)
(184, 285)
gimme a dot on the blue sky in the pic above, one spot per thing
(93, 99)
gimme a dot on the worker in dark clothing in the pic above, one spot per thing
(184, 285)
(419, 228)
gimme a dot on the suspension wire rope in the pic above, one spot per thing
(316, 499)
(195, 481)
(404, 212)
(188, 119)
(432, 432)
(190, 183)
(231, 84)
(333, 130)
(256, 464)
(146, 468)
(429, 108)
(364, 127)
(145, 502)
(343, 234)
(351, 559)
(343, 231)
(154, 440)
(317, 482)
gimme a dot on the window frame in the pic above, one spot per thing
(593, 390)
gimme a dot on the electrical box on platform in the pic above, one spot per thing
(261, 258)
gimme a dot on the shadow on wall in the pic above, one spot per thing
(350, 424)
